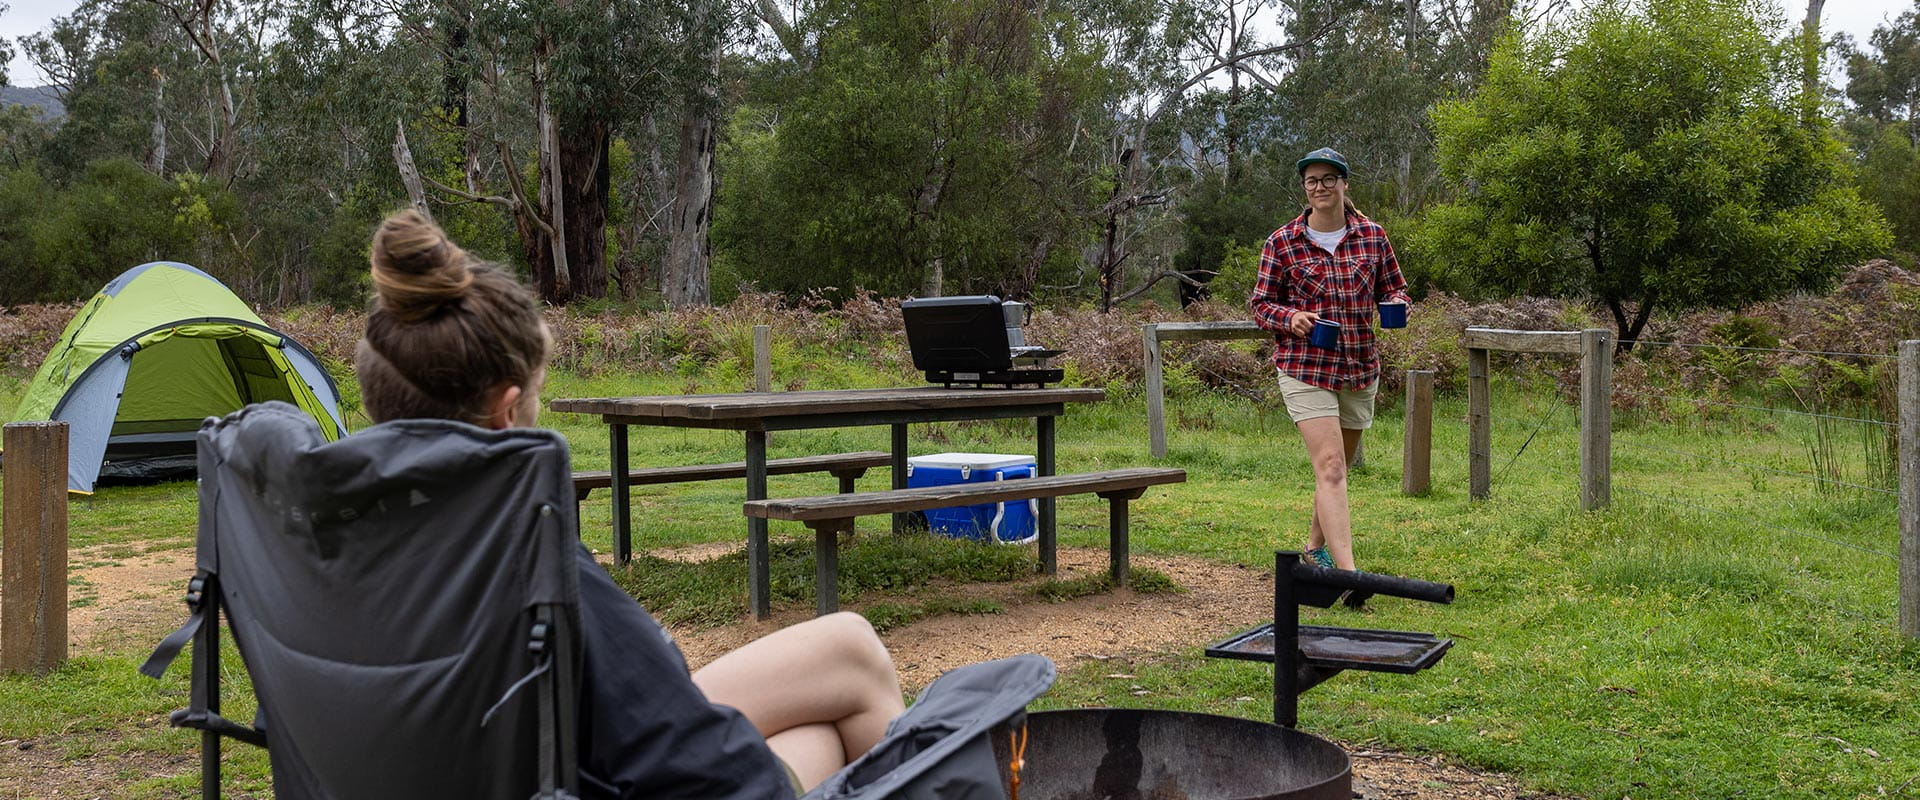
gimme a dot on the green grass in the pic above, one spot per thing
(1145, 580)
(713, 592)
(888, 616)
(1723, 629)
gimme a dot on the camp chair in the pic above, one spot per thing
(961, 740)
(404, 599)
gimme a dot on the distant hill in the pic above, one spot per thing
(42, 96)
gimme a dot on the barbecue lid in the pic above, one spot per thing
(965, 333)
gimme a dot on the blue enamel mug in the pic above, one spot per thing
(1326, 334)
(1393, 315)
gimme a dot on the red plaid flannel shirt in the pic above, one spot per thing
(1343, 286)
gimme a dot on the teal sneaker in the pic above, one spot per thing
(1320, 557)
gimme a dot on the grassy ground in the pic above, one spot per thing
(1725, 629)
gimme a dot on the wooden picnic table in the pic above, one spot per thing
(757, 413)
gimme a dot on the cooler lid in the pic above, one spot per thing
(970, 460)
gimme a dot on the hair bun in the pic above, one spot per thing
(416, 269)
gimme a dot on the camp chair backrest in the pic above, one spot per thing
(404, 599)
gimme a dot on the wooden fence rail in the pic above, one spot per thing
(1157, 332)
(1595, 348)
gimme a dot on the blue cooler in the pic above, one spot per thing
(1007, 523)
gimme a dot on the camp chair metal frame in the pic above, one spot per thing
(547, 620)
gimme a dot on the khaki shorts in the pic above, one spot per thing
(1306, 401)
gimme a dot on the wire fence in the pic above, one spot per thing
(1755, 456)
(1710, 346)
(1763, 480)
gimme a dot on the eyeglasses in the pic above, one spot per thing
(1327, 181)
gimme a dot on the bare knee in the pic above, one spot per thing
(1330, 469)
(854, 637)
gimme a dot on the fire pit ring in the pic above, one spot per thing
(1143, 754)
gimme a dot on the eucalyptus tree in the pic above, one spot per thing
(1657, 157)
(1883, 90)
(539, 88)
(6, 51)
(111, 63)
(921, 147)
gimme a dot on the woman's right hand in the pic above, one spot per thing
(1301, 324)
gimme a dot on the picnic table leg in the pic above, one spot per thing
(1043, 428)
(622, 504)
(899, 471)
(1117, 541)
(758, 582)
(826, 570)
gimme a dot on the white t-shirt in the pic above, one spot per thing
(1327, 240)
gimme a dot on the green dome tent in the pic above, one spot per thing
(158, 350)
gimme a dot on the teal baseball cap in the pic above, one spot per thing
(1327, 156)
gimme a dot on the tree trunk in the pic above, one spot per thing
(220, 155)
(583, 156)
(1810, 81)
(551, 276)
(456, 78)
(689, 255)
(937, 277)
(453, 74)
(687, 271)
(1110, 260)
(1403, 175)
(1629, 330)
(409, 173)
(157, 154)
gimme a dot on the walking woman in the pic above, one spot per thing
(1328, 269)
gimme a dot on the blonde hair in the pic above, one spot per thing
(446, 331)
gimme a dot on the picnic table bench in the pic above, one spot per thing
(828, 515)
(845, 466)
(755, 414)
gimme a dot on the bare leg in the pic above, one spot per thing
(1351, 438)
(1327, 448)
(821, 691)
(813, 752)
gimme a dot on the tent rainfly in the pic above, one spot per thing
(156, 352)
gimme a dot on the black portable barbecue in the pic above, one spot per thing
(1305, 655)
(975, 340)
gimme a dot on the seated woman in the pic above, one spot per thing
(450, 337)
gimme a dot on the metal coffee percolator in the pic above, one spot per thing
(1016, 314)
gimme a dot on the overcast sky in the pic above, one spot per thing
(1857, 17)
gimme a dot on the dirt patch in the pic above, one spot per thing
(128, 600)
(47, 768)
(120, 600)
(1218, 600)
(1121, 624)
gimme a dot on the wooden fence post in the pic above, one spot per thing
(1910, 488)
(762, 358)
(1156, 397)
(33, 570)
(1596, 419)
(1416, 451)
(1479, 426)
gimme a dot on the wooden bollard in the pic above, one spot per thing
(762, 358)
(33, 569)
(1416, 454)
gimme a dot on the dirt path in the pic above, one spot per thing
(127, 601)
